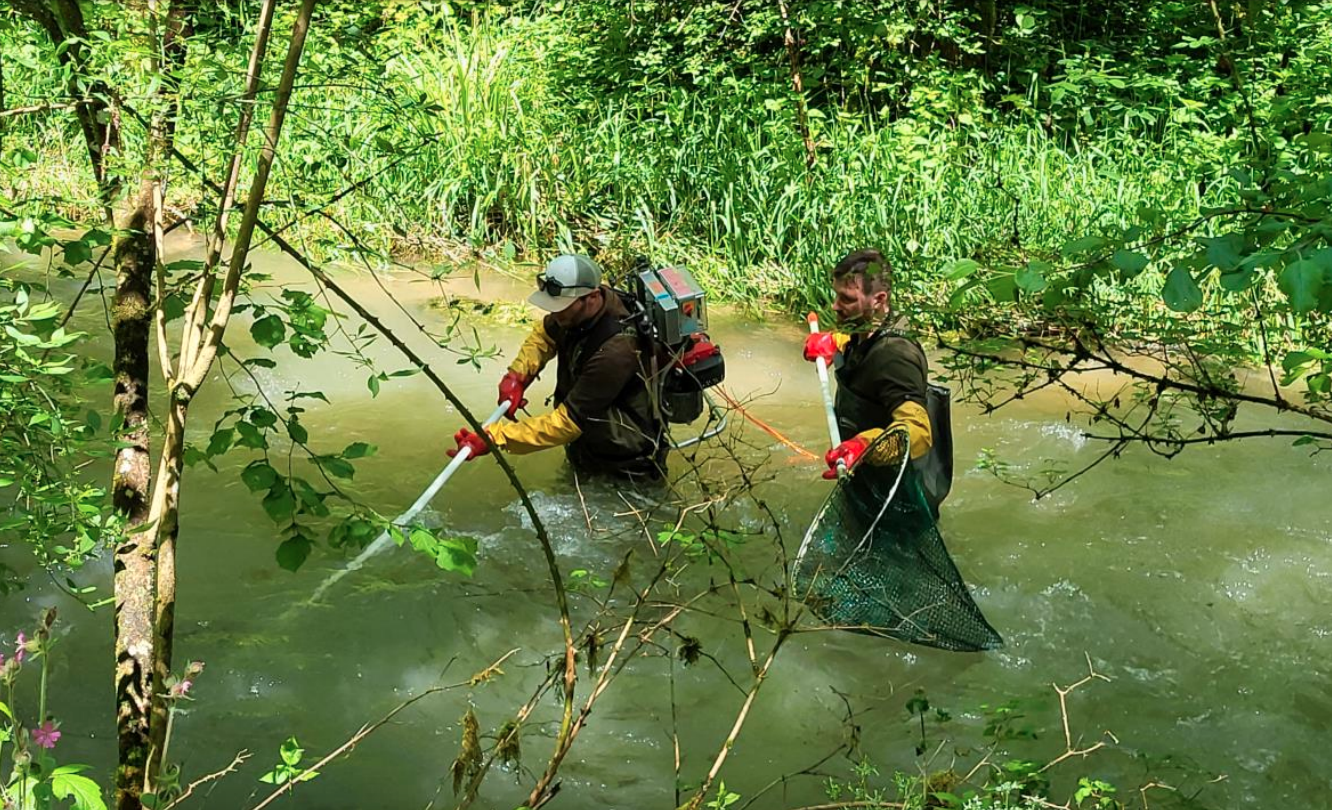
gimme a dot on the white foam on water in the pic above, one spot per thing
(1071, 435)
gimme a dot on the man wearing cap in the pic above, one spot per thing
(603, 417)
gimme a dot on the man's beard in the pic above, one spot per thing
(856, 322)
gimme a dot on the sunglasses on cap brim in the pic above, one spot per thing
(551, 286)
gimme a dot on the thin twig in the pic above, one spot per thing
(189, 789)
(367, 730)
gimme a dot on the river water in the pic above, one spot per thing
(1198, 585)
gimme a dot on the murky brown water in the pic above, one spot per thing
(1199, 585)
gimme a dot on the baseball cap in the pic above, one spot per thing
(566, 279)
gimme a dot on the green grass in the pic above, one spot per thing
(469, 144)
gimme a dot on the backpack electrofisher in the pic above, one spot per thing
(674, 312)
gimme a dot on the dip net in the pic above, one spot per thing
(873, 561)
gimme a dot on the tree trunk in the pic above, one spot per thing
(132, 310)
(166, 507)
(140, 716)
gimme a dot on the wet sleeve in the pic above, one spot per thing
(535, 433)
(900, 383)
(604, 376)
(916, 420)
(537, 350)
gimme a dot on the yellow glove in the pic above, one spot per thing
(917, 423)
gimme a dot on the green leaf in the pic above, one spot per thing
(77, 252)
(1129, 263)
(1087, 244)
(312, 498)
(1224, 252)
(297, 431)
(249, 436)
(373, 385)
(423, 540)
(262, 418)
(1301, 282)
(279, 503)
(1031, 279)
(456, 557)
(293, 551)
(268, 331)
(359, 450)
(1181, 292)
(98, 372)
(221, 441)
(84, 792)
(291, 752)
(960, 269)
(337, 467)
(259, 475)
(1238, 280)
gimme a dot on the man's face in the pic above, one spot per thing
(579, 311)
(853, 306)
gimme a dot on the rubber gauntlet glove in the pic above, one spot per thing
(511, 389)
(821, 344)
(470, 440)
(848, 452)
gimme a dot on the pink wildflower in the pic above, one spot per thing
(46, 735)
(20, 647)
(182, 689)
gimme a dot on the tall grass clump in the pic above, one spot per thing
(456, 133)
(721, 181)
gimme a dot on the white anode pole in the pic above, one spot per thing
(833, 432)
(382, 541)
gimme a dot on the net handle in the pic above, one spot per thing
(834, 433)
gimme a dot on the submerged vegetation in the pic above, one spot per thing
(1136, 188)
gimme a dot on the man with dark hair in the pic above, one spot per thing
(603, 417)
(881, 373)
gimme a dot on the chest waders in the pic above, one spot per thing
(857, 413)
(627, 439)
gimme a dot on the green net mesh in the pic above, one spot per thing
(874, 561)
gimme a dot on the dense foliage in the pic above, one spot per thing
(1140, 187)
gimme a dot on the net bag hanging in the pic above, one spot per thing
(873, 560)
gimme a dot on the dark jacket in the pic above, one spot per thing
(601, 380)
(877, 373)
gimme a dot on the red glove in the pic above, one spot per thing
(511, 389)
(848, 452)
(821, 344)
(470, 440)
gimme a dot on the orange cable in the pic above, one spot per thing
(764, 426)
